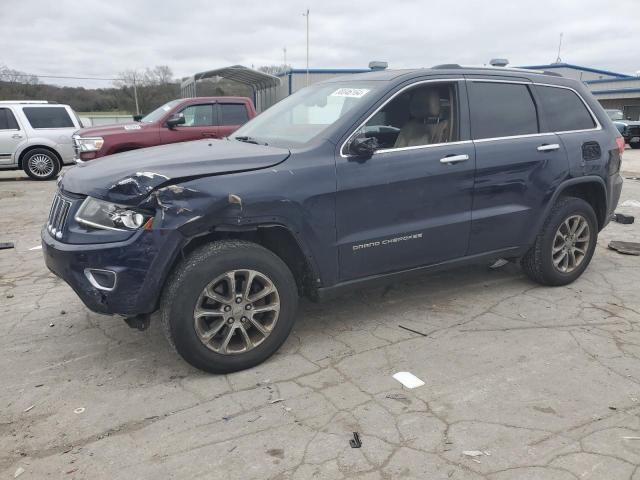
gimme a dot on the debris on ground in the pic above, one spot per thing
(355, 441)
(501, 262)
(52, 324)
(29, 408)
(79, 410)
(412, 330)
(630, 203)
(408, 379)
(62, 312)
(473, 453)
(19, 471)
(39, 247)
(9, 295)
(624, 219)
(277, 400)
(631, 438)
(6, 245)
(626, 248)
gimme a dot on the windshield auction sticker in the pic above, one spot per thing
(350, 92)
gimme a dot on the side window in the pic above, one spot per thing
(501, 110)
(233, 114)
(7, 120)
(564, 110)
(48, 117)
(423, 115)
(198, 116)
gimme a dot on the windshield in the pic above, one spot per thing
(615, 114)
(304, 115)
(159, 112)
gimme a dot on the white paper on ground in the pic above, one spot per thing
(39, 247)
(408, 379)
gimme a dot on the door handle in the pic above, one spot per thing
(548, 147)
(454, 158)
(16, 135)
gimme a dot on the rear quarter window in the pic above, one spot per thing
(7, 120)
(233, 114)
(501, 110)
(48, 117)
(564, 110)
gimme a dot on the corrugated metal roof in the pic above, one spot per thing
(241, 74)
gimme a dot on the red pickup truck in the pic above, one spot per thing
(176, 121)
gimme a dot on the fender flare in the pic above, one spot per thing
(558, 192)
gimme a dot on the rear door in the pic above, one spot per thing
(566, 114)
(231, 117)
(517, 163)
(10, 136)
(200, 122)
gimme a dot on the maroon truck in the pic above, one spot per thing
(176, 121)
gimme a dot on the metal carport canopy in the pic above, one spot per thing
(241, 74)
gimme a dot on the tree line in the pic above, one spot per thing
(155, 86)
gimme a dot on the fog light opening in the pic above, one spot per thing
(101, 279)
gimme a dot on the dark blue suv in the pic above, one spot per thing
(355, 180)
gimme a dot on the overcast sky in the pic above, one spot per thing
(104, 37)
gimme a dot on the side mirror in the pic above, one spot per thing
(363, 148)
(137, 118)
(174, 120)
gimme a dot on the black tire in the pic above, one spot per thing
(34, 162)
(538, 264)
(187, 282)
(634, 145)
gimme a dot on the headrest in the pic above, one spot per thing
(425, 102)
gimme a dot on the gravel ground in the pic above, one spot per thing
(543, 382)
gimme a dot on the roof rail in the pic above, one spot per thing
(4, 102)
(448, 66)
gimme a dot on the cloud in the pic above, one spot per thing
(102, 38)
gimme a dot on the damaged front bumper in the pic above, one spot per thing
(138, 267)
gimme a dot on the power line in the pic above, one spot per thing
(63, 77)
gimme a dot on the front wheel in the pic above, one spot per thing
(41, 164)
(229, 306)
(565, 245)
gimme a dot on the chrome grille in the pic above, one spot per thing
(58, 216)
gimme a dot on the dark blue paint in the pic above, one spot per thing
(491, 204)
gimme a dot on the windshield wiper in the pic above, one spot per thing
(247, 139)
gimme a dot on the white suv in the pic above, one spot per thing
(35, 136)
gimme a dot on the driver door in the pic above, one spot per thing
(408, 206)
(200, 122)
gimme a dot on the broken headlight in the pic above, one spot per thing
(111, 216)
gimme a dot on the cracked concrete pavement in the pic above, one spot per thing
(545, 382)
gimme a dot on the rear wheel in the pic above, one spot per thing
(565, 246)
(41, 164)
(229, 306)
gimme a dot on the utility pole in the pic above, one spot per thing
(558, 59)
(135, 92)
(307, 15)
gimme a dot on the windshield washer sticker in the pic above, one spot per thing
(350, 92)
(132, 127)
(386, 241)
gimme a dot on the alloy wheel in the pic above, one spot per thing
(236, 312)
(41, 165)
(571, 243)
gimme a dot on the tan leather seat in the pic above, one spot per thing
(425, 125)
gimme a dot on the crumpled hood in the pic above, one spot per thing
(129, 177)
